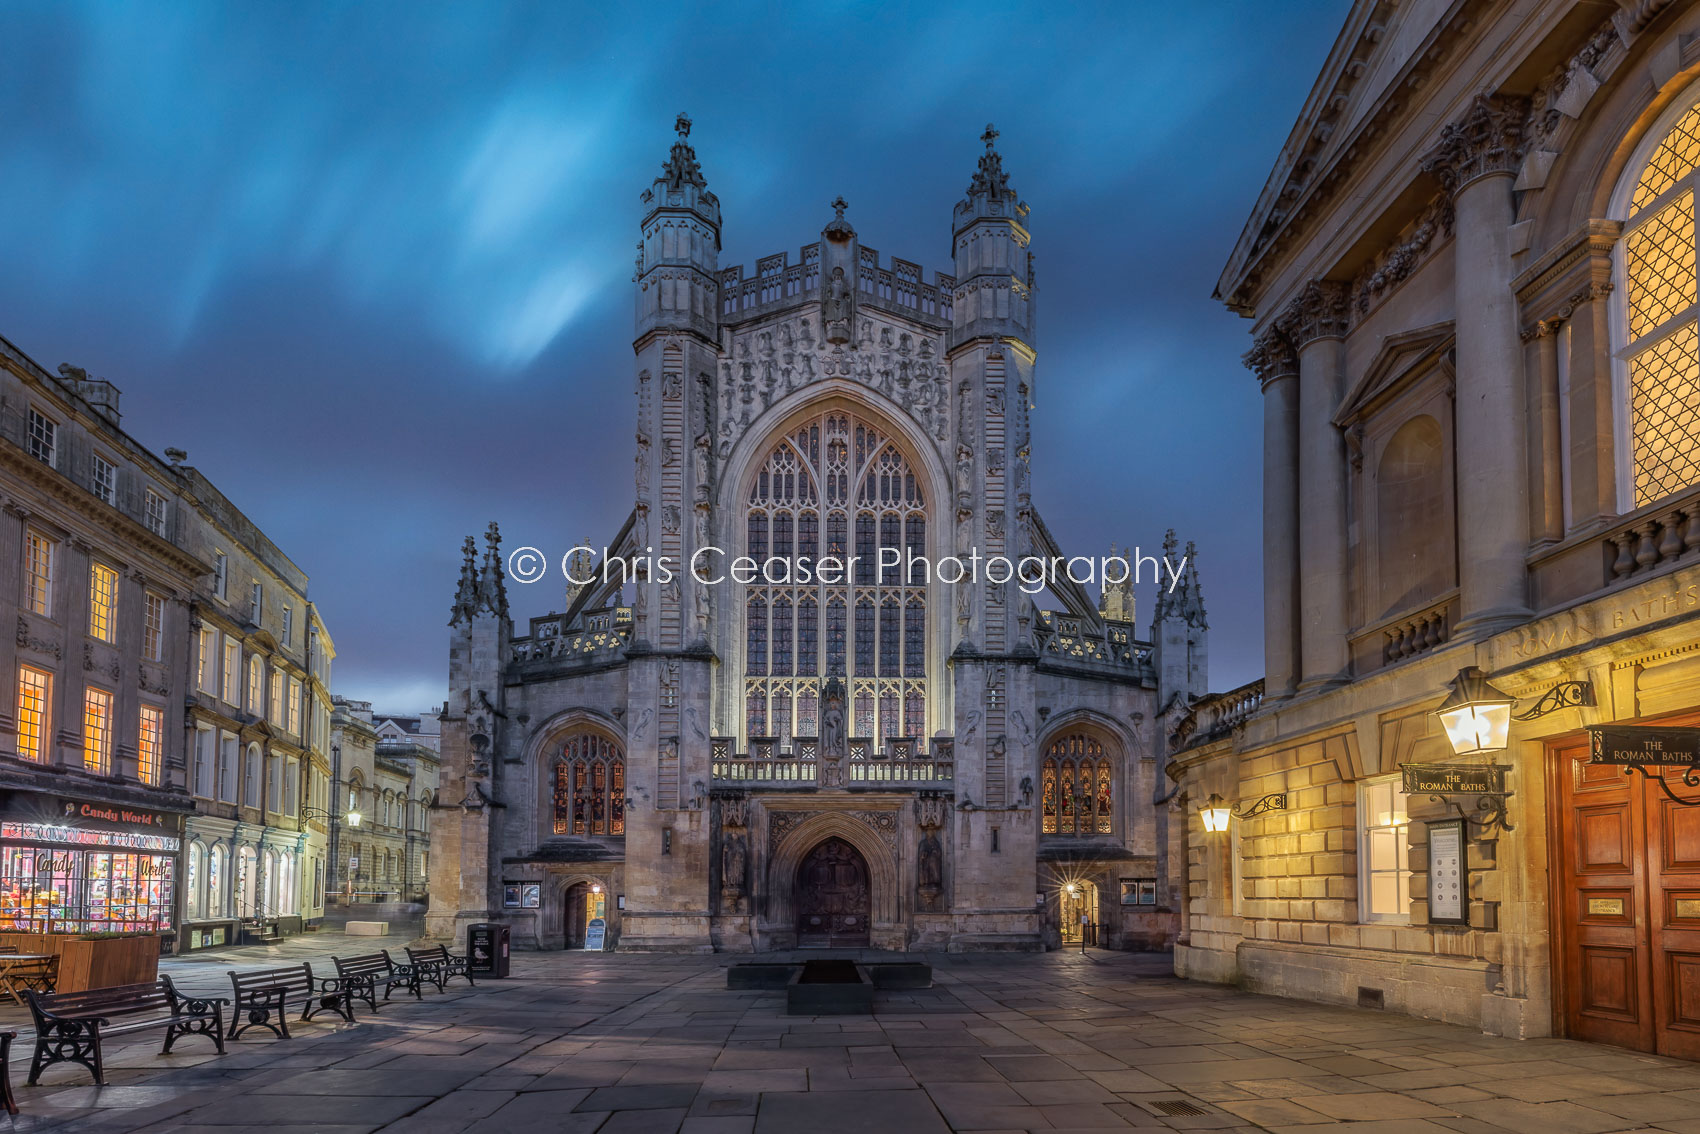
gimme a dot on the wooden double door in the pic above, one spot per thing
(832, 897)
(1627, 907)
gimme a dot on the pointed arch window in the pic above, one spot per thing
(1656, 308)
(590, 787)
(1078, 795)
(835, 486)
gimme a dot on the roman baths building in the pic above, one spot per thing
(1472, 285)
(706, 760)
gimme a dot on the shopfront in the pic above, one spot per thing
(86, 866)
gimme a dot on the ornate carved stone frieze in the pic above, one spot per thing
(1393, 265)
(1320, 311)
(1271, 357)
(27, 640)
(1489, 139)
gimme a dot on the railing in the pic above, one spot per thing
(1064, 636)
(1655, 539)
(604, 634)
(1216, 715)
(900, 762)
(1405, 635)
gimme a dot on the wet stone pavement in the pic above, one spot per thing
(617, 1044)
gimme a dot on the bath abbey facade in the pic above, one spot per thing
(866, 757)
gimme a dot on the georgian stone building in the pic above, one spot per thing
(386, 767)
(874, 758)
(1473, 284)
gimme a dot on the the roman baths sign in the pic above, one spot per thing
(1643, 745)
(1453, 779)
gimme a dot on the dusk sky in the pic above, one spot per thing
(370, 264)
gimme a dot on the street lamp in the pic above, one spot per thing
(310, 813)
(1215, 814)
(1476, 714)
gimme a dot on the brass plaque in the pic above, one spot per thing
(1688, 907)
(1605, 907)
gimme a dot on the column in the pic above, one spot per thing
(1315, 324)
(1475, 161)
(1546, 471)
(1277, 372)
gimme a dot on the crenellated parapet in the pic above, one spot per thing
(777, 284)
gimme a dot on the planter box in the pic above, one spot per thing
(94, 962)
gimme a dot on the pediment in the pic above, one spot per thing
(1402, 359)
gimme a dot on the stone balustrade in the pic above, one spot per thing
(901, 763)
(1654, 538)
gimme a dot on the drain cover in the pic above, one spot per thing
(1177, 1106)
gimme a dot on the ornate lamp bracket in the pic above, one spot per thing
(1493, 812)
(1275, 801)
(1564, 695)
(1690, 778)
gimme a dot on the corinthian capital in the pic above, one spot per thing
(1320, 311)
(1271, 357)
(1488, 139)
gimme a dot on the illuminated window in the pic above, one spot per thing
(150, 745)
(294, 724)
(103, 599)
(1384, 851)
(39, 552)
(43, 437)
(97, 731)
(1658, 338)
(590, 787)
(153, 626)
(34, 688)
(102, 479)
(830, 482)
(256, 684)
(1078, 794)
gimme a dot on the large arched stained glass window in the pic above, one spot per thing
(1658, 340)
(1078, 795)
(590, 787)
(835, 486)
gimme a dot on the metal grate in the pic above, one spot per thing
(1665, 416)
(1660, 262)
(1675, 158)
(1177, 1107)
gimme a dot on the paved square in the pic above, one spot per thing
(605, 1043)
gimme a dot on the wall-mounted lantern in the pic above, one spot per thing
(1476, 714)
(1216, 813)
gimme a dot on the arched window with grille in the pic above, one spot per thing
(1657, 339)
(834, 485)
(590, 787)
(1077, 795)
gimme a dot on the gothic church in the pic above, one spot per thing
(873, 760)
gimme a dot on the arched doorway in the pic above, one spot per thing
(832, 896)
(585, 902)
(1078, 911)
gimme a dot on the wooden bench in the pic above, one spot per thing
(438, 965)
(264, 995)
(69, 1026)
(361, 976)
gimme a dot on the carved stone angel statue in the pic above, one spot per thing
(835, 307)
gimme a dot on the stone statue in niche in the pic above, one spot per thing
(734, 860)
(835, 307)
(702, 611)
(834, 743)
(929, 871)
(703, 470)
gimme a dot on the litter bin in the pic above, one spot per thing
(487, 949)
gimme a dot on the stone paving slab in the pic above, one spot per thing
(612, 1043)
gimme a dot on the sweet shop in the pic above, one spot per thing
(86, 866)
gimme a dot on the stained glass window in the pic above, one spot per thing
(1662, 346)
(834, 486)
(1079, 792)
(590, 787)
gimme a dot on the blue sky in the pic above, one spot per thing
(370, 263)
